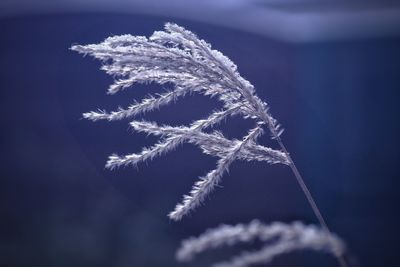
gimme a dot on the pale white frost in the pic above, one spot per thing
(177, 56)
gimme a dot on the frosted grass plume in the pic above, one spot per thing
(179, 57)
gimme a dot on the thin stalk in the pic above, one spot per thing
(303, 186)
(309, 197)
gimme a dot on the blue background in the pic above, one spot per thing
(338, 102)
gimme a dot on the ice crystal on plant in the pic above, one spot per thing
(179, 57)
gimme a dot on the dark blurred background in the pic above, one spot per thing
(328, 69)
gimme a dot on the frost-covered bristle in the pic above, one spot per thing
(177, 56)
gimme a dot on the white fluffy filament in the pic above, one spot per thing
(179, 57)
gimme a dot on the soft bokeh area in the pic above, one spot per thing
(329, 70)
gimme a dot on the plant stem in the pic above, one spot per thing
(302, 184)
(308, 195)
